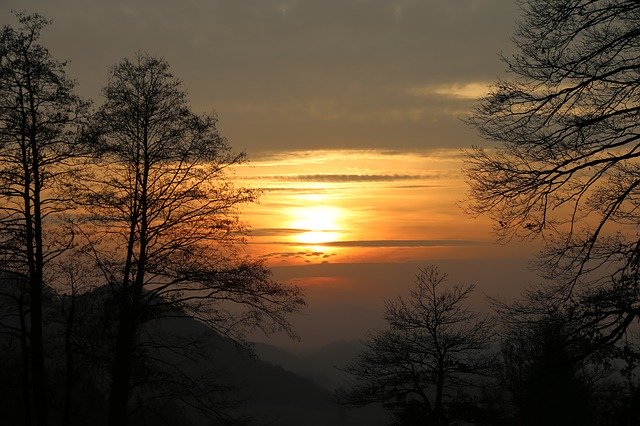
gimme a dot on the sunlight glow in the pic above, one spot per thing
(341, 206)
(320, 223)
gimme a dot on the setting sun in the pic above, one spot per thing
(316, 224)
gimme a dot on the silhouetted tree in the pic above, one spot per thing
(67, 322)
(433, 350)
(555, 367)
(547, 385)
(38, 115)
(566, 163)
(619, 403)
(14, 339)
(165, 234)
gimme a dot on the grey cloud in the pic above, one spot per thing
(418, 186)
(297, 74)
(404, 243)
(293, 189)
(323, 190)
(390, 243)
(275, 232)
(332, 177)
(307, 256)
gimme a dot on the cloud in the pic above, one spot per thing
(286, 74)
(308, 255)
(296, 190)
(275, 232)
(333, 177)
(394, 243)
(473, 90)
(418, 186)
(404, 243)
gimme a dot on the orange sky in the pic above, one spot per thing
(350, 112)
(351, 227)
(355, 206)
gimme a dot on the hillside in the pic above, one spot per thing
(323, 367)
(269, 394)
(181, 362)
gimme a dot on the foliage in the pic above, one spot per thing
(566, 162)
(145, 185)
(164, 214)
(546, 384)
(39, 115)
(161, 222)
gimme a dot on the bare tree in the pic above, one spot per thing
(165, 231)
(38, 115)
(433, 348)
(566, 162)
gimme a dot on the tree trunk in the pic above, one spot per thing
(33, 243)
(37, 354)
(37, 269)
(437, 406)
(24, 346)
(68, 350)
(37, 338)
(121, 373)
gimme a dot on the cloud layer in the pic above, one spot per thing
(285, 74)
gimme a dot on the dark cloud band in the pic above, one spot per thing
(331, 177)
(379, 243)
(403, 243)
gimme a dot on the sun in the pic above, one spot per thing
(317, 224)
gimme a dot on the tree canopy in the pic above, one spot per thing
(434, 348)
(162, 214)
(39, 117)
(564, 165)
(131, 205)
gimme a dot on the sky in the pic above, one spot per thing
(351, 114)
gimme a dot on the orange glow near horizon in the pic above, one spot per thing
(319, 223)
(361, 206)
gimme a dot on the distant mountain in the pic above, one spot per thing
(322, 365)
(270, 395)
(177, 348)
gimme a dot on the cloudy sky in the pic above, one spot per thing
(285, 74)
(351, 114)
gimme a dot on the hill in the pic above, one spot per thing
(182, 366)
